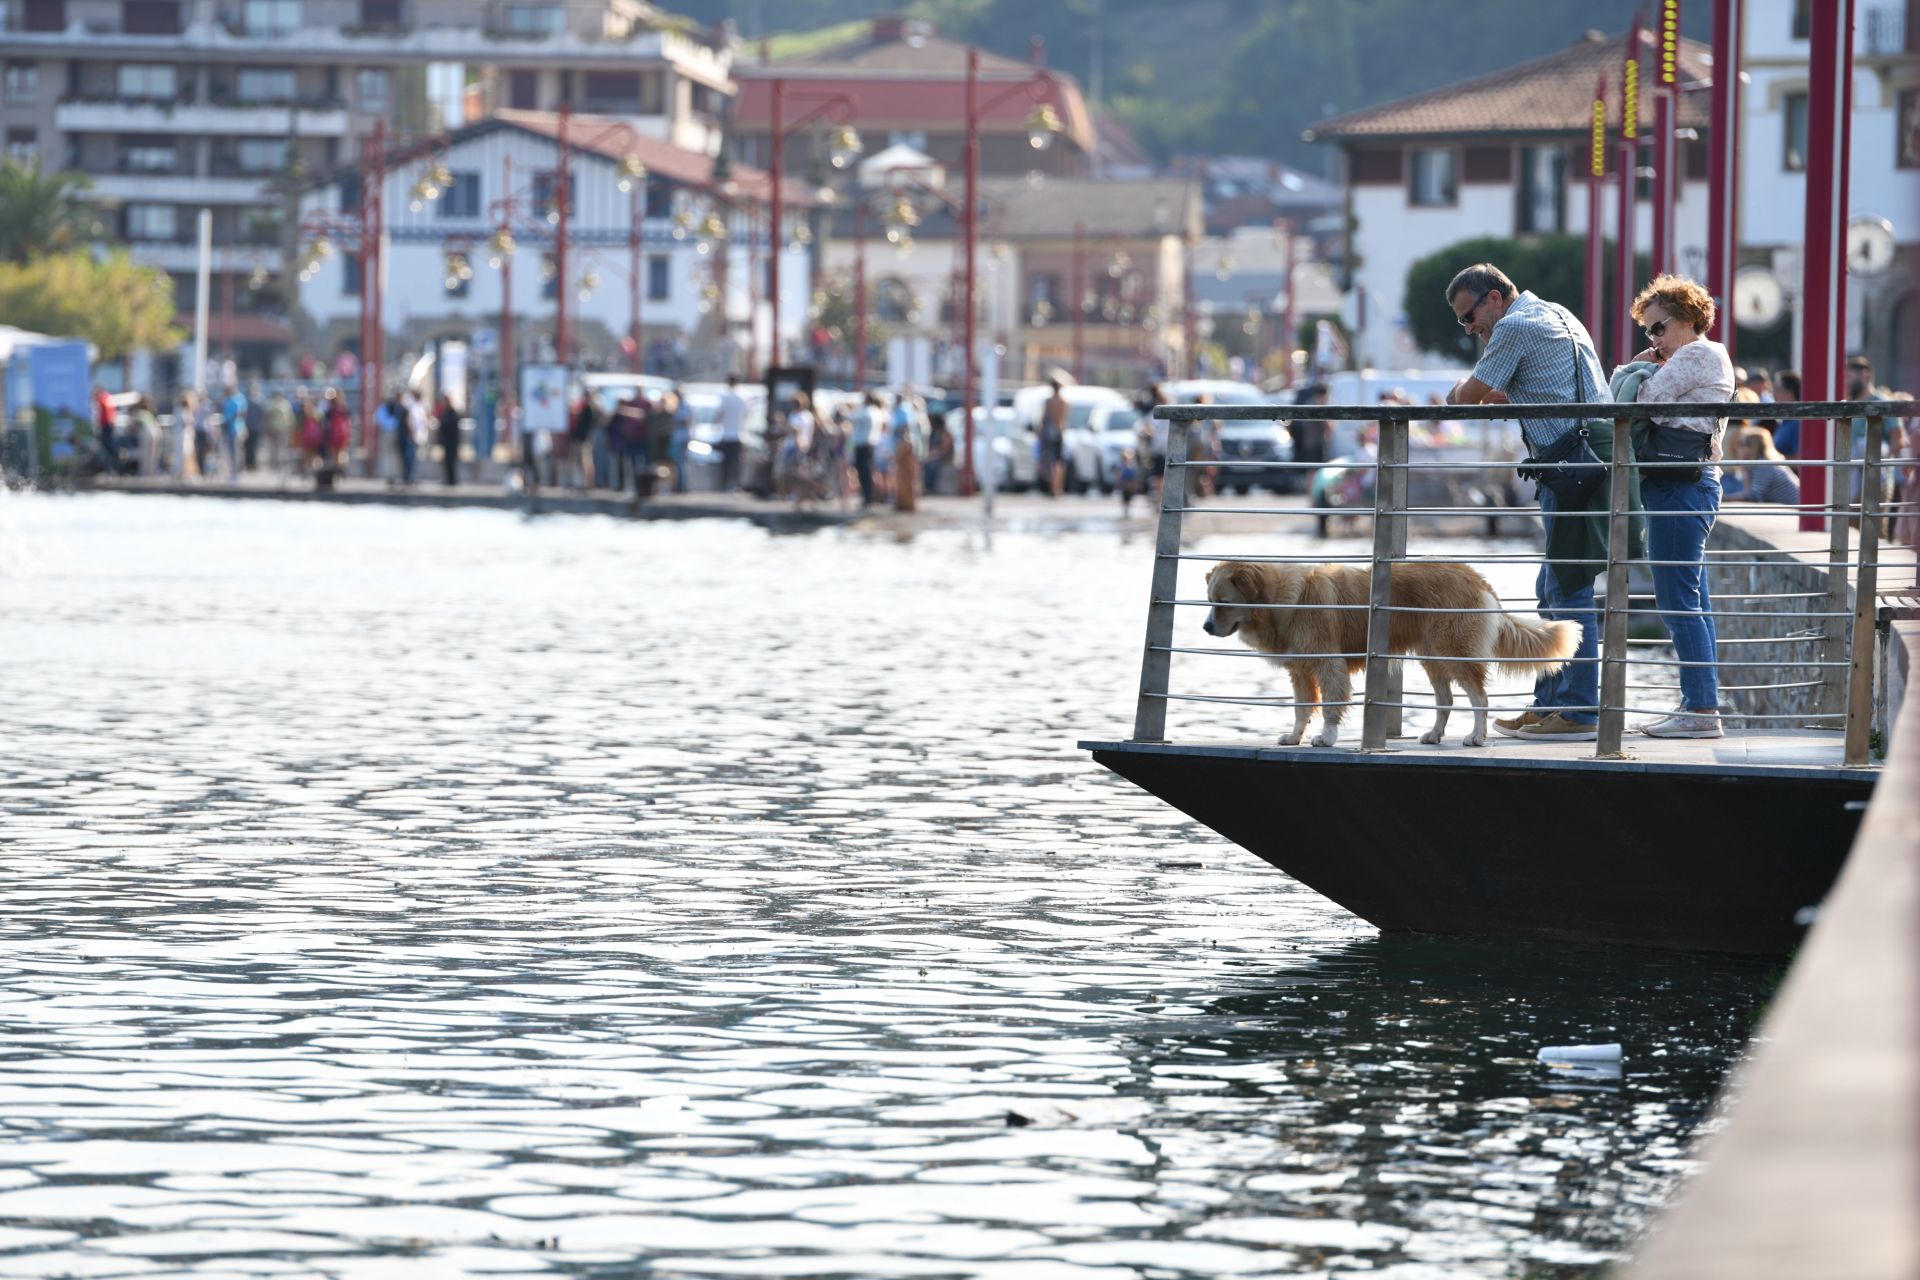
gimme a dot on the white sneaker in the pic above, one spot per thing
(1682, 723)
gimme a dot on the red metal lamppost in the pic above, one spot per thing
(843, 146)
(367, 227)
(1042, 126)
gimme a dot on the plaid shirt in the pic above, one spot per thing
(1540, 353)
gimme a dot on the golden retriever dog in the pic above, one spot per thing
(1454, 647)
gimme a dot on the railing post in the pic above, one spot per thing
(1865, 599)
(1613, 638)
(1833, 649)
(1396, 481)
(1156, 664)
(1389, 508)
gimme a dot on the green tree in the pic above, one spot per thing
(43, 213)
(111, 302)
(1553, 267)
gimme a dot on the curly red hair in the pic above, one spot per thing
(1683, 299)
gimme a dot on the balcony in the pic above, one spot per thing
(178, 256)
(1884, 32)
(178, 188)
(198, 118)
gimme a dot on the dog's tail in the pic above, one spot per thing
(1534, 648)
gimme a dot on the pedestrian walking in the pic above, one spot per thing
(279, 428)
(867, 422)
(418, 424)
(1053, 437)
(1538, 352)
(904, 472)
(732, 415)
(147, 422)
(233, 427)
(630, 432)
(1682, 502)
(939, 455)
(103, 431)
(256, 425)
(680, 438)
(447, 420)
(584, 421)
(339, 432)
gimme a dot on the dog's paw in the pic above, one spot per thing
(1430, 737)
(1474, 740)
(1290, 739)
(1325, 740)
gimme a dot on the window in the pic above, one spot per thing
(458, 286)
(350, 274)
(151, 222)
(659, 199)
(653, 93)
(612, 91)
(543, 193)
(523, 90)
(532, 19)
(146, 156)
(1543, 176)
(549, 278)
(382, 15)
(373, 86)
(262, 155)
(1794, 157)
(349, 192)
(657, 277)
(271, 17)
(23, 81)
(150, 17)
(1431, 177)
(1907, 131)
(144, 80)
(264, 84)
(23, 146)
(915, 138)
(44, 15)
(1802, 19)
(461, 199)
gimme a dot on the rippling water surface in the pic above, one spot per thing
(414, 893)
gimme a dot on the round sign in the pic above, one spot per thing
(1758, 300)
(1870, 246)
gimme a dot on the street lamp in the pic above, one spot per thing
(843, 146)
(1043, 125)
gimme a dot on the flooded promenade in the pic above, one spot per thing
(448, 892)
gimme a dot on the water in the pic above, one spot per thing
(441, 893)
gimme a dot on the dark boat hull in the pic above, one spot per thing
(1708, 859)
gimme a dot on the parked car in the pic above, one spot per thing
(1079, 446)
(703, 450)
(1244, 439)
(1116, 428)
(1008, 451)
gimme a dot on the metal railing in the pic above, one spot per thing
(1842, 623)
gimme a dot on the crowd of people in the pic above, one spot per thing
(217, 437)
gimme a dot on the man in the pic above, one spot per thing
(733, 427)
(867, 424)
(1860, 386)
(1053, 439)
(447, 420)
(1538, 352)
(1786, 434)
(233, 424)
(1756, 381)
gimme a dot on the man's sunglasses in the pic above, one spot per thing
(1466, 317)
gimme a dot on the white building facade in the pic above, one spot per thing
(1885, 169)
(1504, 156)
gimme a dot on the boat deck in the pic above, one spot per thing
(1776, 752)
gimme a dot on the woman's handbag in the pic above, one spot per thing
(1653, 442)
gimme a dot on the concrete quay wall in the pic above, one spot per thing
(1815, 1172)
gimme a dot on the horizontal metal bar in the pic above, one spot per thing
(1765, 411)
(1252, 653)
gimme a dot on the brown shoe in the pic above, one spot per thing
(1512, 725)
(1557, 728)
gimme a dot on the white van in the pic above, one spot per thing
(1081, 447)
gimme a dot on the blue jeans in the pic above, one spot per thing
(1680, 590)
(1578, 683)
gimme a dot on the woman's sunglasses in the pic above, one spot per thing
(1655, 330)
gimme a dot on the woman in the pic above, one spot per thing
(1681, 504)
(1768, 478)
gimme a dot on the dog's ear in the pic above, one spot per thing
(1245, 578)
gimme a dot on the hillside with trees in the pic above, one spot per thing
(1226, 77)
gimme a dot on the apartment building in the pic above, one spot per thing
(172, 106)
